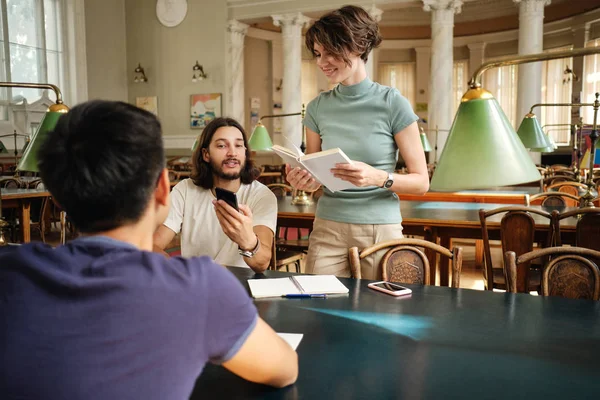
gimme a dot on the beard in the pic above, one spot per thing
(217, 169)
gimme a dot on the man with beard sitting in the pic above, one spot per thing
(209, 227)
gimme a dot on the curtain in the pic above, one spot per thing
(460, 80)
(402, 76)
(556, 88)
(502, 83)
(591, 81)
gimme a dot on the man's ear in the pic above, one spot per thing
(205, 155)
(163, 188)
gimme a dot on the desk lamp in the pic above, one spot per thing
(260, 140)
(29, 158)
(483, 150)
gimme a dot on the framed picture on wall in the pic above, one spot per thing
(149, 103)
(203, 109)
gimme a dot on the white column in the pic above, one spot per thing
(422, 66)
(376, 14)
(291, 32)
(476, 57)
(531, 41)
(235, 61)
(581, 32)
(442, 59)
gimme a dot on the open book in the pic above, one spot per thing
(318, 164)
(300, 284)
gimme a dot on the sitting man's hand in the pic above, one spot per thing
(237, 225)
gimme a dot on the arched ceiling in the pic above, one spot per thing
(406, 19)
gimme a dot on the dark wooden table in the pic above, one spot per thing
(21, 198)
(439, 343)
(438, 222)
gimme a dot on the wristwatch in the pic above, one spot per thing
(389, 181)
(250, 253)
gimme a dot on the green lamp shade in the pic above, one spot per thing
(482, 150)
(3, 148)
(425, 143)
(260, 139)
(29, 160)
(531, 134)
(193, 148)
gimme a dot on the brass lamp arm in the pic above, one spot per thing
(560, 105)
(36, 86)
(278, 115)
(475, 81)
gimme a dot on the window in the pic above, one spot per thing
(555, 90)
(502, 83)
(31, 47)
(401, 76)
(460, 81)
(591, 81)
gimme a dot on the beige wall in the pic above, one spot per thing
(168, 55)
(257, 78)
(106, 50)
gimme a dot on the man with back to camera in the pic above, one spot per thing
(209, 227)
(104, 317)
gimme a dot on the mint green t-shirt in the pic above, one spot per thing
(361, 120)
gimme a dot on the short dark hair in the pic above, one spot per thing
(202, 174)
(349, 30)
(102, 163)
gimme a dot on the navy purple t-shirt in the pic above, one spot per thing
(100, 319)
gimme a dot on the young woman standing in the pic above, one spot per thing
(370, 123)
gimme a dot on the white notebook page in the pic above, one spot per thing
(317, 284)
(272, 287)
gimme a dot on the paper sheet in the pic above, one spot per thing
(293, 339)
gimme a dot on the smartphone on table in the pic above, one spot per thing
(227, 196)
(393, 289)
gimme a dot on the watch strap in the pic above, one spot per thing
(250, 253)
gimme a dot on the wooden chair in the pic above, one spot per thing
(41, 212)
(587, 234)
(289, 245)
(517, 234)
(405, 262)
(558, 185)
(10, 183)
(572, 272)
(553, 200)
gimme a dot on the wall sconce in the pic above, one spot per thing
(140, 75)
(568, 72)
(199, 74)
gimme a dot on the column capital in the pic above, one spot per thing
(438, 5)
(374, 12)
(532, 7)
(291, 19)
(476, 46)
(235, 26)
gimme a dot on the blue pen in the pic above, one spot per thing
(305, 296)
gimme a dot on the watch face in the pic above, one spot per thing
(388, 184)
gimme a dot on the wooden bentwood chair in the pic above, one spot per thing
(405, 262)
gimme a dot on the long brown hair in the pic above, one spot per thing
(202, 173)
(349, 30)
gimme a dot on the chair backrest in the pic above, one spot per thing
(9, 183)
(280, 189)
(554, 199)
(517, 234)
(587, 229)
(559, 185)
(572, 272)
(405, 262)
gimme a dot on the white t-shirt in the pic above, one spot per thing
(192, 212)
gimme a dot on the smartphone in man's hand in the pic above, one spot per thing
(227, 196)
